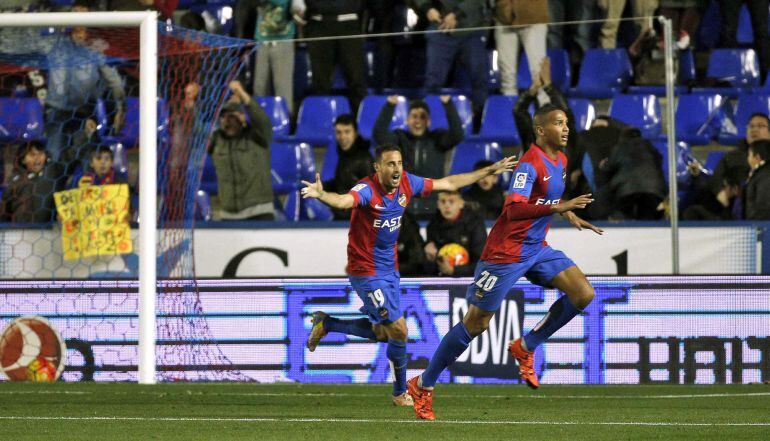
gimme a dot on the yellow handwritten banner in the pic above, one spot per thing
(94, 221)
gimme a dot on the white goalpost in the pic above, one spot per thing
(148, 59)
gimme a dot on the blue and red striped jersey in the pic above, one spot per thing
(376, 221)
(537, 180)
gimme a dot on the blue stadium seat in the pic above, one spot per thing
(290, 163)
(315, 124)
(203, 211)
(21, 119)
(493, 72)
(467, 154)
(745, 34)
(640, 111)
(561, 76)
(583, 111)
(278, 111)
(298, 209)
(698, 117)
(745, 107)
(120, 161)
(738, 67)
(438, 116)
(603, 73)
(497, 124)
(369, 109)
(209, 176)
(129, 133)
(683, 157)
(713, 159)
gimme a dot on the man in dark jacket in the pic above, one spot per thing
(424, 150)
(632, 178)
(486, 194)
(443, 48)
(29, 196)
(757, 129)
(411, 256)
(452, 224)
(355, 161)
(241, 155)
(757, 201)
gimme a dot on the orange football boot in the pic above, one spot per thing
(526, 361)
(423, 400)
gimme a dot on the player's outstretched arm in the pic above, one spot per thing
(579, 223)
(455, 182)
(330, 198)
(523, 210)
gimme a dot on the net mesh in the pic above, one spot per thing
(68, 102)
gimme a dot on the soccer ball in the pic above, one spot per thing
(454, 254)
(24, 343)
(41, 371)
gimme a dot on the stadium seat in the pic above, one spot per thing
(369, 109)
(683, 157)
(209, 176)
(21, 119)
(315, 124)
(561, 76)
(129, 133)
(278, 111)
(438, 116)
(203, 211)
(583, 111)
(738, 67)
(698, 117)
(603, 73)
(493, 72)
(640, 111)
(467, 154)
(120, 161)
(298, 209)
(497, 124)
(290, 163)
(747, 105)
(713, 159)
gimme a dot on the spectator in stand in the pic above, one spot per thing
(411, 257)
(578, 39)
(613, 10)
(685, 19)
(29, 196)
(452, 224)
(329, 18)
(101, 170)
(725, 205)
(631, 181)
(444, 48)
(758, 12)
(76, 79)
(355, 161)
(424, 150)
(486, 194)
(165, 7)
(241, 155)
(381, 14)
(534, 14)
(274, 66)
(757, 201)
(757, 129)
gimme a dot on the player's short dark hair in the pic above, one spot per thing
(482, 164)
(26, 147)
(346, 119)
(384, 148)
(102, 148)
(419, 104)
(761, 148)
(760, 115)
(451, 192)
(543, 111)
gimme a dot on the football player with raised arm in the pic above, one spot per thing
(378, 202)
(516, 247)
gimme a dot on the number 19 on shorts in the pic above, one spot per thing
(487, 281)
(377, 298)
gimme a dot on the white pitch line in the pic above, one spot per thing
(43, 392)
(383, 421)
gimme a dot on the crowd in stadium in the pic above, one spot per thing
(451, 100)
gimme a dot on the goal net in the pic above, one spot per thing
(70, 138)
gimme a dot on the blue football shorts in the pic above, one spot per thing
(491, 282)
(381, 296)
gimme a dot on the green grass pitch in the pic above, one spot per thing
(225, 411)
